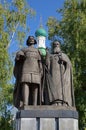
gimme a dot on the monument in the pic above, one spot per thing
(60, 69)
(43, 91)
(28, 72)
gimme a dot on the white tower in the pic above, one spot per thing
(41, 40)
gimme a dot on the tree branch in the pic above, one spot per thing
(12, 35)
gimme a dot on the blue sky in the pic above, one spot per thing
(45, 9)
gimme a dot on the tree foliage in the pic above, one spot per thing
(13, 16)
(71, 30)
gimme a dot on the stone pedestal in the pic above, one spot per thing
(47, 118)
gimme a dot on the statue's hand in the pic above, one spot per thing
(62, 60)
(20, 55)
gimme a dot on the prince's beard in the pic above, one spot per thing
(56, 50)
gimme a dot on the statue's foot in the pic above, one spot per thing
(64, 104)
(21, 105)
(55, 104)
(59, 104)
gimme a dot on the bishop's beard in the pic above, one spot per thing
(56, 50)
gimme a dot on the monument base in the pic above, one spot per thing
(47, 118)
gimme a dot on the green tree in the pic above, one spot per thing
(71, 30)
(13, 17)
